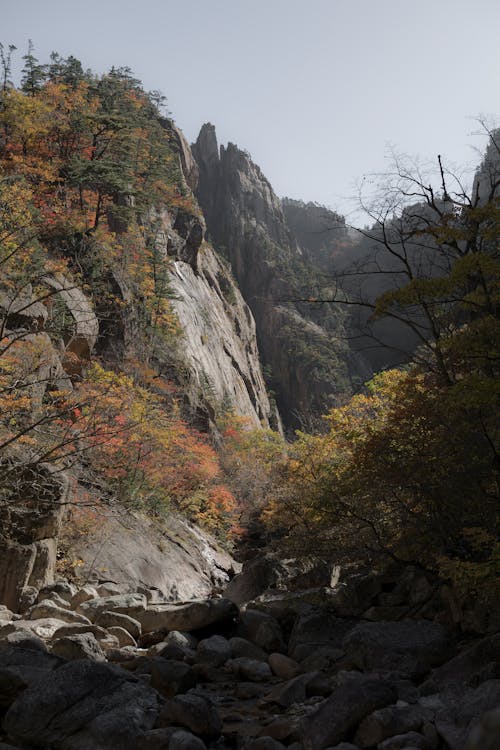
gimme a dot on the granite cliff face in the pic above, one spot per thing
(302, 346)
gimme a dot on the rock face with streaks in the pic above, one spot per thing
(302, 345)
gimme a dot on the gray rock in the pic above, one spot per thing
(171, 677)
(243, 647)
(290, 692)
(193, 712)
(468, 668)
(485, 735)
(459, 711)
(250, 669)
(181, 740)
(407, 741)
(46, 608)
(81, 646)
(63, 589)
(107, 619)
(123, 636)
(316, 630)
(27, 597)
(411, 647)
(44, 628)
(214, 651)
(83, 594)
(261, 629)
(170, 738)
(340, 714)
(6, 615)
(186, 617)
(84, 705)
(264, 743)
(283, 667)
(387, 722)
(126, 604)
(110, 588)
(99, 633)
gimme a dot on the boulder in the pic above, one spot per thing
(471, 666)
(99, 633)
(485, 735)
(47, 608)
(43, 628)
(123, 636)
(250, 669)
(191, 616)
(243, 647)
(107, 619)
(387, 722)
(83, 594)
(81, 646)
(214, 651)
(261, 629)
(292, 691)
(459, 712)
(283, 667)
(340, 714)
(410, 647)
(171, 677)
(317, 629)
(126, 604)
(84, 705)
(407, 741)
(192, 712)
(264, 743)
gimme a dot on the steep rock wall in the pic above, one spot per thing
(303, 346)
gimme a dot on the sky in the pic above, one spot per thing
(319, 92)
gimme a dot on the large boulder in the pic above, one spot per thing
(410, 647)
(340, 714)
(189, 616)
(84, 705)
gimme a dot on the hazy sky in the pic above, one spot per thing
(317, 91)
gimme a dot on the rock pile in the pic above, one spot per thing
(104, 668)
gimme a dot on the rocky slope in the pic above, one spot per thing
(303, 347)
(110, 667)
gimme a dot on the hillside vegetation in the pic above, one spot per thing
(91, 376)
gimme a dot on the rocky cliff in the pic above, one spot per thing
(302, 346)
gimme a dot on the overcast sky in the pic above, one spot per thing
(318, 91)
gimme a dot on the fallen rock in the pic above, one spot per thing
(410, 647)
(340, 714)
(46, 608)
(387, 722)
(250, 669)
(485, 735)
(126, 604)
(81, 646)
(214, 651)
(283, 667)
(84, 705)
(243, 647)
(261, 629)
(171, 677)
(194, 713)
(408, 741)
(43, 628)
(123, 636)
(191, 616)
(83, 594)
(107, 619)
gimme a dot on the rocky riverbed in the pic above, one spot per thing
(105, 667)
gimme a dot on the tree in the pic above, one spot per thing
(410, 469)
